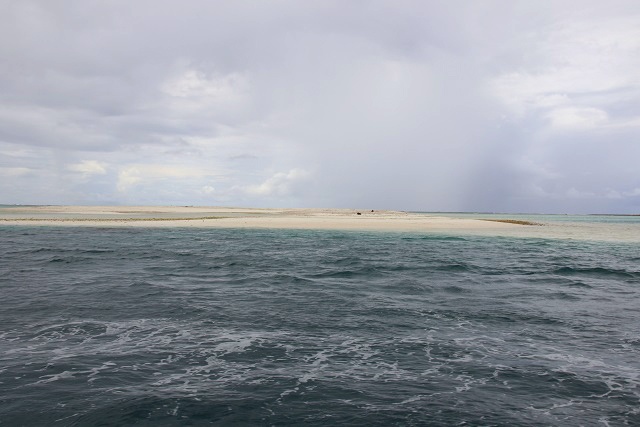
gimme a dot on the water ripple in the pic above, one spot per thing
(104, 326)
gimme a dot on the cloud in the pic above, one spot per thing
(195, 84)
(133, 175)
(577, 194)
(582, 63)
(577, 118)
(127, 178)
(632, 193)
(207, 189)
(280, 184)
(493, 105)
(88, 167)
(14, 172)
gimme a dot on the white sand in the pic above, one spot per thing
(326, 219)
(229, 217)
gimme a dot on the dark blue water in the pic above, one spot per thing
(221, 327)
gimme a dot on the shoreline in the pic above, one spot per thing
(232, 217)
(223, 217)
(311, 219)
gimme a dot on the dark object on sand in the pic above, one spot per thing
(358, 213)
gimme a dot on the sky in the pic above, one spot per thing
(449, 105)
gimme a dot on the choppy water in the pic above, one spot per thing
(213, 326)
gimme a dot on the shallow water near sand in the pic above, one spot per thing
(112, 326)
(608, 228)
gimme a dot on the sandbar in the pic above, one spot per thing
(309, 219)
(232, 217)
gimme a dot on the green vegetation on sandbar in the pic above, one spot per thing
(514, 221)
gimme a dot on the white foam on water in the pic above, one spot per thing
(174, 411)
(94, 372)
(289, 391)
(573, 360)
(570, 402)
(238, 346)
(316, 366)
(51, 378)
(66, 418)
(411, 399)
(361, 349)
(604, 420)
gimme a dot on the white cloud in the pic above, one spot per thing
(88, 167)
(133, 175)
(128, 178)
(207, 189)
(194, 83)
(14, 171)
(280, 184)
(194, 90)
(577, 118)
(581, 63)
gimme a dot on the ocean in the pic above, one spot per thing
(176, 326)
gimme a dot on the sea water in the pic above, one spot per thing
(171, 326)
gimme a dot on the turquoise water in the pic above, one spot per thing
(109, 326)
(544, 218)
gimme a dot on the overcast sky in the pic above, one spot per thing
(512, 106)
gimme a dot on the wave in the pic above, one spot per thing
(597, 272)
(194, 326)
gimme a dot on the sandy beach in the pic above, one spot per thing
(310, 219)
(230, 217)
